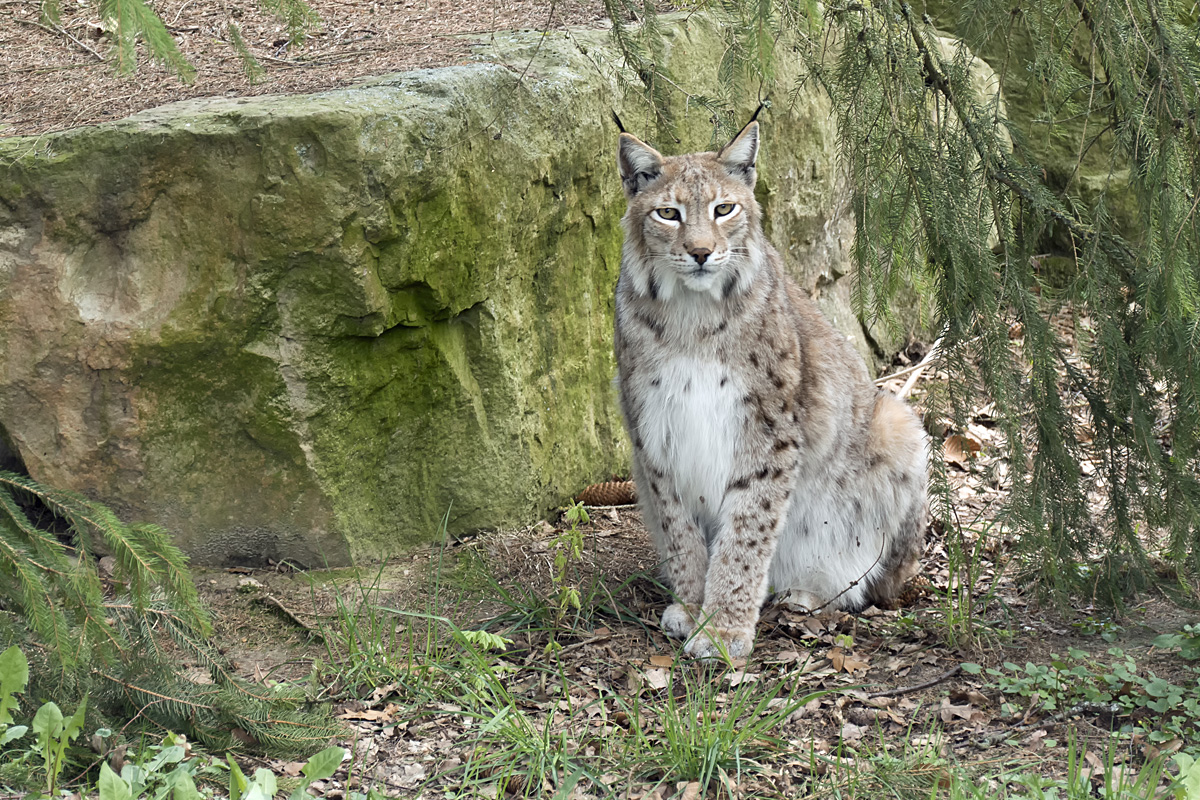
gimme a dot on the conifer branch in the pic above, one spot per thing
(118, 649)
(995, 162)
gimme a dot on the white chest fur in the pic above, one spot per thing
(692, 419)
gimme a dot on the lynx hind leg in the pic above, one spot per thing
(897, 445)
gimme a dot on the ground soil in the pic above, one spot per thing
(894, 676)
(61, 75)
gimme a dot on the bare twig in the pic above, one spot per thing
(914, 372)
(945, 676)
(179, 13)
(60, 31)
(272, 602)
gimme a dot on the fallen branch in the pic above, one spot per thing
(945, 676)
(914, 372)
(272, 602)
(60, 31)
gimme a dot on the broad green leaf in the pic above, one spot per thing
(168, 755)
(1189, 648)
(323, 764)
(48, 721)
(184, 788)
(1188, 783)
(12, 734)
(14, 675)
(111, 785)
(265, 779)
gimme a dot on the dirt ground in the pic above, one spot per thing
(895, 678)
(60, 75)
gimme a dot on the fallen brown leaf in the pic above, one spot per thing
(739, 677)
(959, 449)
(846, 662)
(949, 712)
(656, 678)
(852, 733)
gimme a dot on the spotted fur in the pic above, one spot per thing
(765, 458)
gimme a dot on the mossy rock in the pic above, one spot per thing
(312, 327)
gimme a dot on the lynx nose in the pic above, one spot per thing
(701, 254)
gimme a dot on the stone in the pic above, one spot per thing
(321, 328)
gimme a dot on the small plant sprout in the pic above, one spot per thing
(54, 732)
(568, 550)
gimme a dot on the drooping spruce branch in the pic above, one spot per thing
(952, 194)
(120, 640)
(134, 22)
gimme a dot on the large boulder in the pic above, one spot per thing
(312, 327)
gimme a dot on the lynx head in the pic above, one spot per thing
(692, 220)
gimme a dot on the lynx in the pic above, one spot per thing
(766, 459)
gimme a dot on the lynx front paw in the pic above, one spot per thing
(721, 643)
(679, 620)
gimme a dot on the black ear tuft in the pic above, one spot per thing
(639, 163)
(739, 156)
(617, 120)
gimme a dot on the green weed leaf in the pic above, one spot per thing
(12, 734)
(183, 787)
(48, 723)
(14, 676)
(1167, 641)
(112, 787)
(323, 764)
(1187, 785)
(73, 726)
(484, 640)
(237, 780)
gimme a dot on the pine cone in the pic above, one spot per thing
(918, 587)
(611, 493)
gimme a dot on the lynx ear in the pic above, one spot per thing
(639, 163)
(739, 155)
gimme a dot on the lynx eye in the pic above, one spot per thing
(723, 209)
(667, 213)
